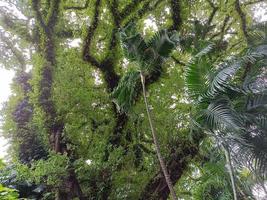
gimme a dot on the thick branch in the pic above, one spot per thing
(130, 8)
(115, 13)
(53, 13)
(90, 34)
(242, 16)
(147, 7)
(77, 7)
(176, 15)
(38, 14)
(54, 124)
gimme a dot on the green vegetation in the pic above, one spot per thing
(141, 99)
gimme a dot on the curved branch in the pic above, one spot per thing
(130, 8)
(90, 34)
(147, 7)
(242, 16)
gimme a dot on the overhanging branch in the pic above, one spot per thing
(130, 8)
(90, 34)
(243, 20)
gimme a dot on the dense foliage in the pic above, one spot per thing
(76, 120)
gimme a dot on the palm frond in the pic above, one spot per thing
(125, 93)
(257, 103)
(258, 34)
(132, 42)
(163, 42)
(219, 115)
(205, 51)
(262, 122)
(252, 153)
(221, 80)
(197, 73)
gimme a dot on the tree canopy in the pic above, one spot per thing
(94, 78)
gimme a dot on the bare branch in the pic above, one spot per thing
(208, 24)
(223, 29)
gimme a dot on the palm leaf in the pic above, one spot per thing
(258, 34)
(132, 42)
(197, 72)
(221, 80)
(163, 42)
(252, 153)
(257, 103)
(220, 116)
(125, 93)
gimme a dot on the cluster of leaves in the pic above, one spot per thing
(8, 194)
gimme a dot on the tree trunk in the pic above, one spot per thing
(231, 171)
(161, 161)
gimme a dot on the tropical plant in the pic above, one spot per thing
(75, 120)
(149, 57)
(230, 99)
